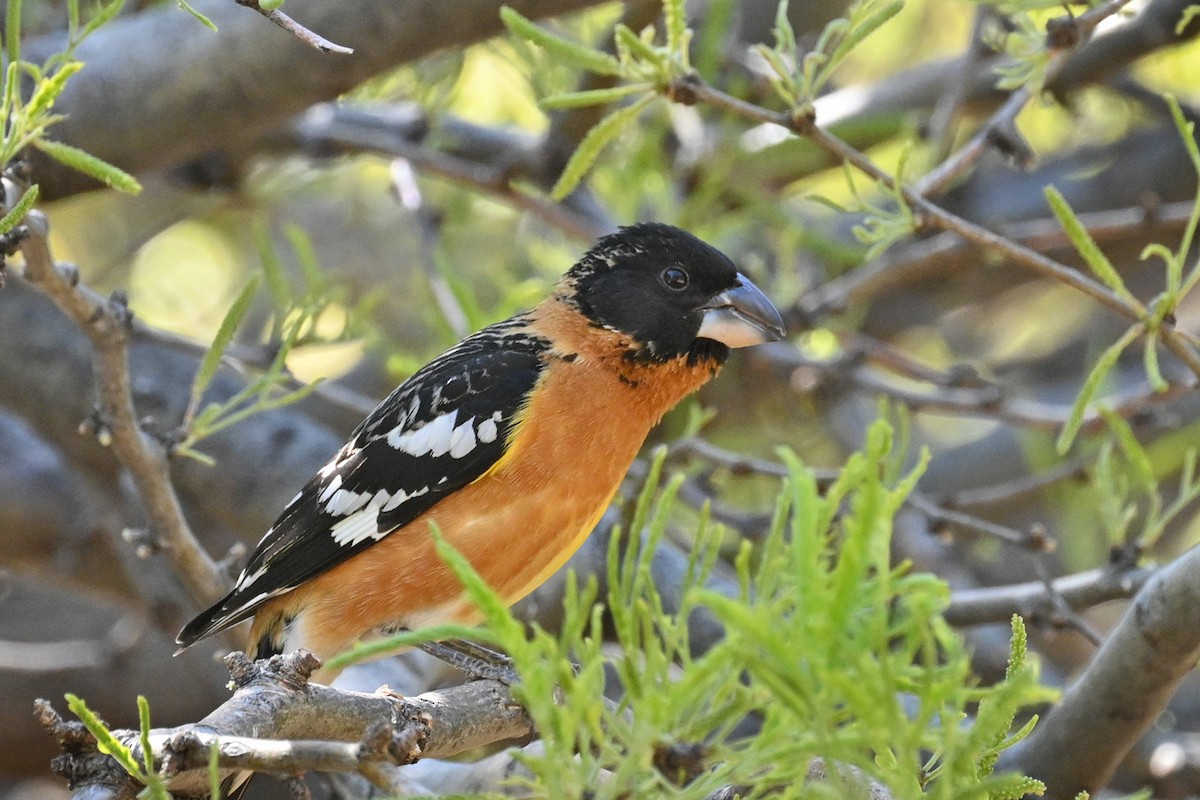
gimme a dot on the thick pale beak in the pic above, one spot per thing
(741, 317)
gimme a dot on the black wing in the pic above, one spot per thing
(437, 432)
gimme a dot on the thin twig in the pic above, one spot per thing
(366, 131)
(940, 252)
(296, 29)
(1061, 611)
(1081, 590)
(1033, 539)
(107, 325)
(1018, 487)
(692, 89)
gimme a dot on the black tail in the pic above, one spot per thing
(212, 620)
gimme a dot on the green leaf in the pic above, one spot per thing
(634, 48)
(1135, 454)
(1189, 13)
(12, 30)
(678, 35)
(1150, 358)
(272, 268)
(593, 97)
(89, 165)
(105, 741)
(48, 89)
(1087, 247)
(365, 651)
(306, 257)
(596, 139)
(99, 19)
(857, 32)
(269, 5)
(1091, 385)
(220, 343)
(205, 21)
(144, 732)
(580, 55)
(18, 212)
(214, 771)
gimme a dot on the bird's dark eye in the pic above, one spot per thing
(675, 278)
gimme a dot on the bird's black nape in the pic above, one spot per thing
(652, 282)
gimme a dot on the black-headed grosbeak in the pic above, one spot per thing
(513, 441)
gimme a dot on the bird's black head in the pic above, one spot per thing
(671, 293)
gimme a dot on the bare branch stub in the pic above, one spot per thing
(296, 29)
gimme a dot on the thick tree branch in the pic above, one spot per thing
(274, 701)
(1079, 743)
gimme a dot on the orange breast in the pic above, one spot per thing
(518, 523)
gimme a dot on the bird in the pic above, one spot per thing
(513, 442)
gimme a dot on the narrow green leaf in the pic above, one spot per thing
(72, 19)
(637, 47)
(1135, 454)
(858, 32)
(144, 733)
(1017, 647)
(1153, 373)
(50, 88)
(1091, 385)
(679, 36)
(494, 609)
(205, 21)
(12, 30)
(89, 165)
(588, 58)
(365, 651)
(229, 325)
(1189, 13)
(99, 19)
(269, 5)
(214, 771)
(272, 268)
(306, 257)
(1187, 131)
(1086, 245)
(675, 14)
(785, 36)
(589, 149)
(593, 97)
(12, 96)
(105, 741)
(18, 212)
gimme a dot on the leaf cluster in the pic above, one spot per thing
(1180, 281)
(798, 78)
(294, 322)
(830, 652)
(28, 97)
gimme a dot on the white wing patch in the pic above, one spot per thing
(345, 502)
(358, 527)
(444, 434)
(333, 486)
(363, 523)
(488, 429)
